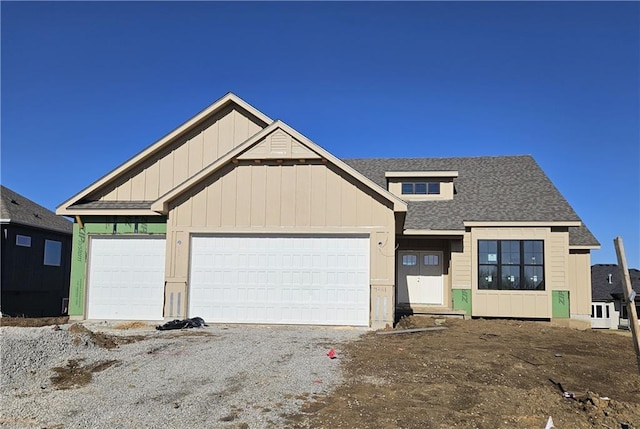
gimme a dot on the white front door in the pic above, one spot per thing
(126, 278)
(280, 279)
(420, 278)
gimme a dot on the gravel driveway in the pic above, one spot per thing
(215, 377)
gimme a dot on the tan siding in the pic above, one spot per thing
(333, 206)
(225, 134)
(243, 195)
(303, 195)
(580, 283)
(214, 202)
(180, 165)
(210, 144)
(287, 196)
(196, 154)
(138, 187)
(556, 254)
(166, 173)
(348, 203)
(199, 209)
(318, 195)
(182, 159)
(258, 196)
(274, 188)
(152, 182)
(461, 265)
(124, 191)
(228, 205)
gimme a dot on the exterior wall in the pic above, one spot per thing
(461, 272)
(580, 284)
(285, 197)
(182, 159)
(534, 304)
(446, 188)
(102, 225)
(30, 288)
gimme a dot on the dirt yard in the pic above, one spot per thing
(484, 374)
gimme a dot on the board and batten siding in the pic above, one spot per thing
(283, 198)
(534, 304)
(183, 158)
(580, 284)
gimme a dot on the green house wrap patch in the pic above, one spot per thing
(560, 304)
(462, 300)
(103, 225)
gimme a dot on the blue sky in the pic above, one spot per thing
(86, 85)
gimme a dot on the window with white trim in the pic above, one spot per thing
(23, 240)
(421, 188)
(52, 253)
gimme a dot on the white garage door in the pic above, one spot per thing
(280, 279)
(126, 278)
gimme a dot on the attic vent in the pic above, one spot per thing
(609, 276)
(279, 143)
(37, 216)
(14, 202)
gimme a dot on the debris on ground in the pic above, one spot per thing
(195, 322)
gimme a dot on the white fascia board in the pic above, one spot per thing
(421, 174)
(583, 247)
(433, 232)
(521, 223)
(107, 212)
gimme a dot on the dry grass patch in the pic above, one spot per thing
(131, 325)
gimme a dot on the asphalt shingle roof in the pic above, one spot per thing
(17, 209)
(114, 205)
(602, 290)
(488, 188)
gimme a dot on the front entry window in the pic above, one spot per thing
(409, 260)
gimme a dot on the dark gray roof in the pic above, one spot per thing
(488, 188)
(97, 205)
(602, 290)
(15, 208)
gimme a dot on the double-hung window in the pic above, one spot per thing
(511, 264)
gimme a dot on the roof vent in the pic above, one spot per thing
(14, 202)
(610, 282)
(37, 216)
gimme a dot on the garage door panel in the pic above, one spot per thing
(126, 279)
(280, 279)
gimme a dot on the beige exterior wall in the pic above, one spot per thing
(461, 263)
(446, 188)
(286, 197)
(580, 284)
(182, 159)
(535, 304)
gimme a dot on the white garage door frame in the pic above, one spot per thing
(125, 277)
(314, 279)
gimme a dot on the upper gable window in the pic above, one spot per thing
(421, 188)
(23, 240)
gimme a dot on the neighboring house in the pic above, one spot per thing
(237, 218)
(36, 258)
(609, 309)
